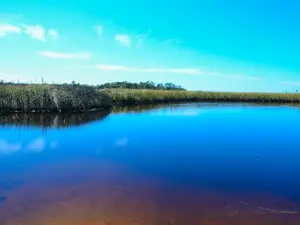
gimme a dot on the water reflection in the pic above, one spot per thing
(195, 164)
(136, 108)
(51, 120)
(61, 120)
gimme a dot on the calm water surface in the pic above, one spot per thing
(190, 164)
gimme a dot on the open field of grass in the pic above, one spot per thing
(51, 98)
(133, 96)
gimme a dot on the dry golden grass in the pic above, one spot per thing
(134, 96)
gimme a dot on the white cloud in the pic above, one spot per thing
(292, 83)
(35, 32)
(6, 29)
(121, 142)
(36, 145)
(123, 39)
(5, 147)
(141, 39)
(148, 70)
(99, 30)
(189, 71)
(172, 41)
(243, 77)
(186, 71)
(66, 55)
(115, 68)
(232, 76)
(53, 34)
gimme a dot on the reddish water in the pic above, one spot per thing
(95, 192)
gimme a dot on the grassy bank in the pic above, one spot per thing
(131, 96)
(51, 98)
(70, 98)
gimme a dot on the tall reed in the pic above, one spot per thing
(50, 97)
(133, 96)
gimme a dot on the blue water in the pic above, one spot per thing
(247, 152)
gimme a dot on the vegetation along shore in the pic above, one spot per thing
(75, 97)
(51, 98)
(131, 96)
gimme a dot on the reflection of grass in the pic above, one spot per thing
(54, 120)
(136, 108)
(51, 97)
(200, 105)
(133, 96)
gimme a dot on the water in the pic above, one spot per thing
(190, 164)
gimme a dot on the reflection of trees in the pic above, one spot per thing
(51, 120)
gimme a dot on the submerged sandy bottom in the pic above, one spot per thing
(103, 193)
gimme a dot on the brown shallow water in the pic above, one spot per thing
(106, 193)
(121, 172)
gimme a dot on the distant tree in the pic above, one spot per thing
(73, 82)
(141, 85)
(160, 86)
(1, 81)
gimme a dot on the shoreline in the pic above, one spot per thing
(49, 98)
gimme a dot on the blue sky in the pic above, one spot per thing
(215, 45)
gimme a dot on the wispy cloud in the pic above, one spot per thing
(53, 34)
(231, 76)
(141, 39)
(6, 29)
(172, 41)
(147, 70)
(123, 39)
(189, 71)
(66, 55)
(99, 30)
(36, 32)
(239, 76)
(291, 83)
(115, 68)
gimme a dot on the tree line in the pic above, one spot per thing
(141, 85)
(122, 84)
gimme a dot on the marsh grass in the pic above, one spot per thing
(77, 98)
(132, 96)
(51, 98)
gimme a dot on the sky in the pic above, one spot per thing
(215, 45)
